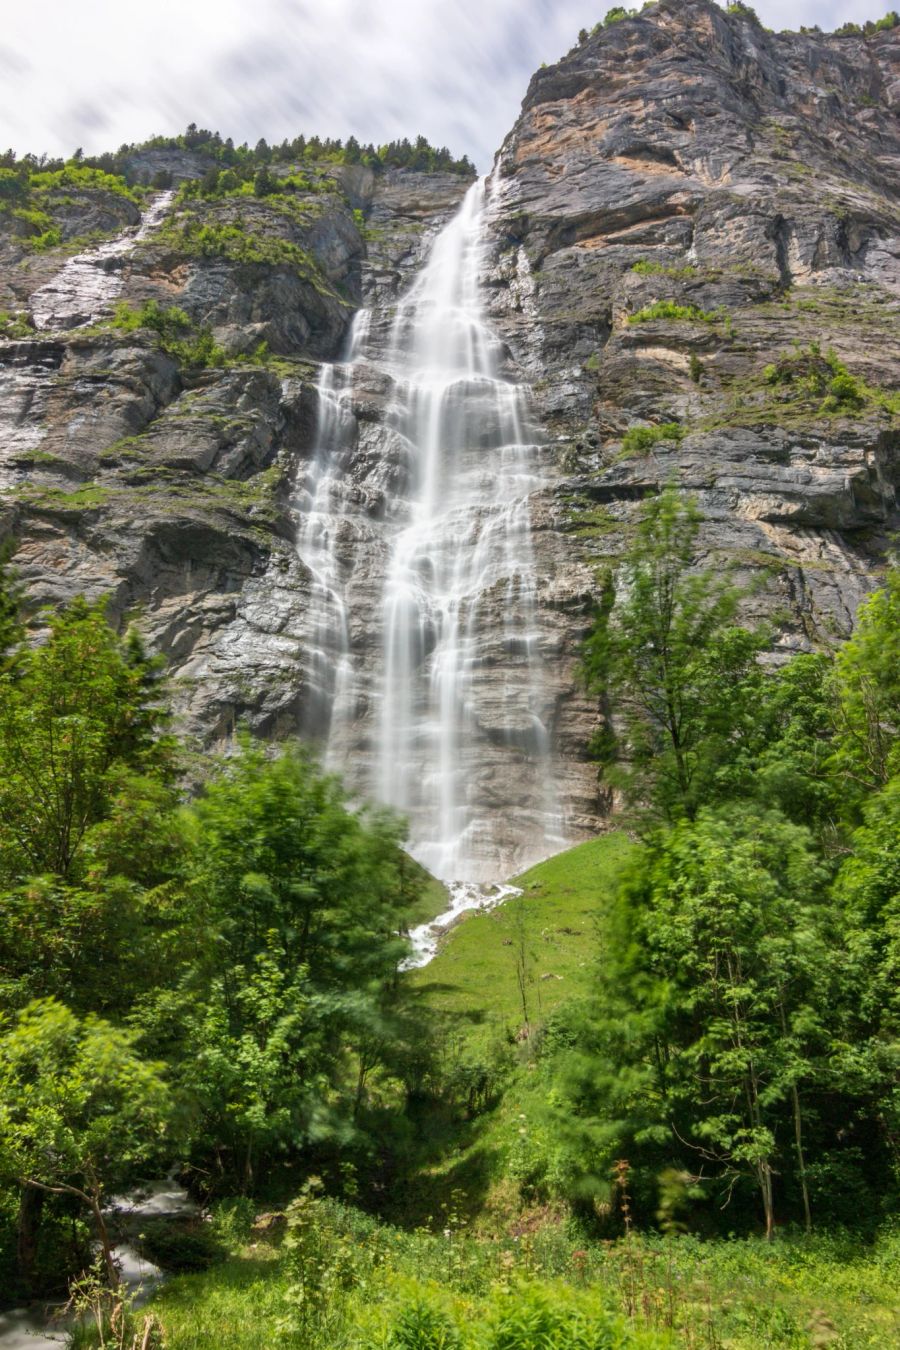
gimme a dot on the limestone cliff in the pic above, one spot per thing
(693, 226)
(693, 213)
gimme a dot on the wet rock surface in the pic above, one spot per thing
(684, 156)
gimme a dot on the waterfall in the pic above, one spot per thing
(322, 503)
(450, 687)
(88, 283)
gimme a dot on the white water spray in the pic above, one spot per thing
(324, 502)
(457, 723)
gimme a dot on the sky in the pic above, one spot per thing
(97, 73)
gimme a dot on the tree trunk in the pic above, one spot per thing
(31, 1205)
(798, 1134)
(764, 1173)
(109, 1260)
(801, 1161)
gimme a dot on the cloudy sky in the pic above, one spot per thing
(101, 72)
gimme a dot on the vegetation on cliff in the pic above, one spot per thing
(114, 170)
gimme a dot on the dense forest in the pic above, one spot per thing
(202, 972)
(243, 160)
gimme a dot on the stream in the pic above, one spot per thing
(43, 1326)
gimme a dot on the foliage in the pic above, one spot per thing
(810, 373)
(177, 1246)
(644, 1291)
(79, 719)
(709, 1009)
(884, 24)
(638, 439)
(670, 310)
(32, 190)
(15, 325)
(867, 684)
(175, 333)
(617, 14)
(80, 1111)
(296, 1002)
(742, 11)
(113, 170)
(661, 653)
(103, 1315)
(188, 234)
(645, 267)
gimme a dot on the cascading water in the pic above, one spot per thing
(323, 502)
(87, 283)
(450, 690)
(84, 287)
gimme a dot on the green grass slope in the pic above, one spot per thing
(474, 976)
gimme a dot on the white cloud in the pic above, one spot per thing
(453, 70)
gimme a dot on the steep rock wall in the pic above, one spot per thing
(683, 156)
(128, 474)
(689, 156)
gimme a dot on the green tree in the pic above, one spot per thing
(781, 754)
(75, 712)
(677, 678)
(10, 602)
(90, 845)
(263, 183)
(715, 995)
(867, 889)
(81, 1113)
(867, 689)
(297, 997)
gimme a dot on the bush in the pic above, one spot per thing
(637, 439)
(181, 1247)
(193, 349)
(808, 373)
(885, 24)
(421, 1327)
(535, 1319)
(742, 11)
(15, 325)
(644, 267)
(617, 14)
(844, 391)
(668, 309)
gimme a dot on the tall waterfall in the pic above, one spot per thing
(450, 689)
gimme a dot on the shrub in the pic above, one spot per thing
(192, 348)
(637, 439)
(844, 391)
(809, 373)
(742, 11)
(668, 309)
(617, 14)
(532, 1319)
(421, 1327)
(16, 324)
(884, 24)
(83, 177)
(646, 268)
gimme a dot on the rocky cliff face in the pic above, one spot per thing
(168, 486)
(686, 202)
(693, 225)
